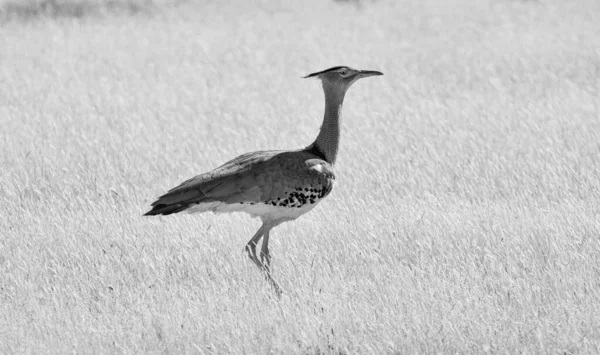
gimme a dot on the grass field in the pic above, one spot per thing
(465, 217)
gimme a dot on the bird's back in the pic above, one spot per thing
(273, 185)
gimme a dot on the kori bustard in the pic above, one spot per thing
(277, 186)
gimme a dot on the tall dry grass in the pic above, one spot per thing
(464, 219)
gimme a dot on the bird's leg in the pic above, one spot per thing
(251, 246)
(265, 256)
(251, 249)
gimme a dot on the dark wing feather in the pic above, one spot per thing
(210, 186)
(250, 178)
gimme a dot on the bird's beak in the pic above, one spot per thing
(367, 73)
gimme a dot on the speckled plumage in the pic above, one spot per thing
(276, 186)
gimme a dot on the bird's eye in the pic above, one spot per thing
(343, 72)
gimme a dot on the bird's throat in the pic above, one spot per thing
(328, 139)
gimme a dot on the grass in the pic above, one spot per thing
(464, 219)
(35, 10)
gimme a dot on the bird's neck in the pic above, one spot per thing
(328, 140)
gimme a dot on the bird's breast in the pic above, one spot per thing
(296, 197)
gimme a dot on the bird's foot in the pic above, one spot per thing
(265, 258)
(273, 284)
(251, 250)
(263, 264)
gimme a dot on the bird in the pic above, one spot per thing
(274, 185)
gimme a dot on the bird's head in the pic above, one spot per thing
(342, 77)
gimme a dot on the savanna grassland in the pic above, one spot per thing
(466, 212)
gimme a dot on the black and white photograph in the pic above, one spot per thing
(300, 177)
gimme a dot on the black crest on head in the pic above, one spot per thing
(324, 71)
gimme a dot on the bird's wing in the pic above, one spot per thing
(250, 178)
(210, 186)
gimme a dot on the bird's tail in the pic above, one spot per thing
(165, 209)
